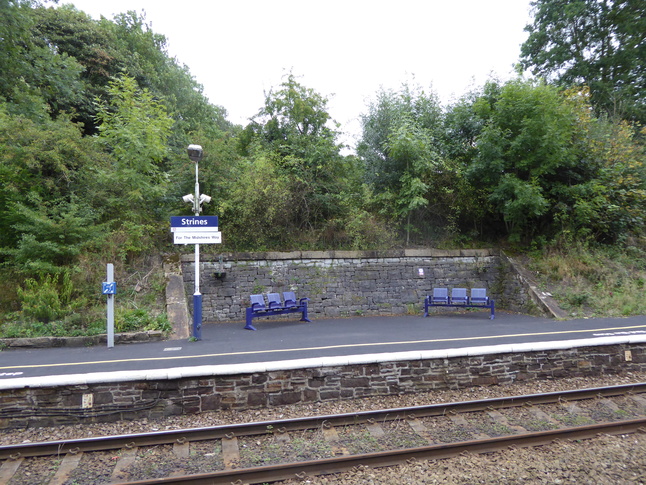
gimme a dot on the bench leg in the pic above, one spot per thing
(249, 326)
(304, 317)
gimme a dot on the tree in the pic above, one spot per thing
(550, 168)
(32, 73)
(50, 198)
(142, 54)
(385, 115)
(134, 128)
(410, 147)
(294, 126)
(597, 43)
(91, 44)
(611, 204)
(401, 152)
(14, 37)
(526, 157)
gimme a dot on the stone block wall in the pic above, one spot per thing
(347, 283)
(157, 397)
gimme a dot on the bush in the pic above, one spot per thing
(44, 300)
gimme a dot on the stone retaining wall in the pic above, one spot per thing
(349, 283)
(154, 397)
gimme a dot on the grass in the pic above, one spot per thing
(594, 281)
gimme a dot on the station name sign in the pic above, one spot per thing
(192, 222)
(195, 230)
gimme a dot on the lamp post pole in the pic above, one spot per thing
(195, 154)
(197, 296)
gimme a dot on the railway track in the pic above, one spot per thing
(277, 450)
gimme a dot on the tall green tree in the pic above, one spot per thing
(402, 155)
(610, 205)
(92, 44)
(50, 197)
(33, 74)
(14, 38)
(142, 54)
(549, 167)
(296, 128)
(134, 128)
(386, 114)
(526, 154)
(106, 49)
(410, 147)
(597, 43)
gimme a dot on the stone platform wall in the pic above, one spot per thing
(157, 396)
(348, 283)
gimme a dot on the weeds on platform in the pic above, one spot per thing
(592, 281)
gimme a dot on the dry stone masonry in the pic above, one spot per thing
(158, 397)
(350, 283)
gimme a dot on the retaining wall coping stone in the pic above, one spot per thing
(340, 254)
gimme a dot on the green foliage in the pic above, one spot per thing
(135, 128)
(596, 43)
(305, 178)
(139, 319)
(72, 325)
(259, 206)
(15, 41)
(612, 203)
(593, 280)
(526, 155)
(417, 186)
(46, 188)
(412, 113)
(142, 54)
(75, 36)
(46, 299)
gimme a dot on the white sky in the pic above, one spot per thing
(343, 49)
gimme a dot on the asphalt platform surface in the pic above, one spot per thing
(226, 344)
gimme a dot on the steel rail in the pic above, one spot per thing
(396, 457)
(103, 443)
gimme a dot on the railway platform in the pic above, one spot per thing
(229, 347)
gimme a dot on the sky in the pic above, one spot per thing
(346, 50)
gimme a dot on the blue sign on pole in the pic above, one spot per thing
(109, 288)
(194, 221)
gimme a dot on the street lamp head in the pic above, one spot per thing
(195, 153)
(188, 198)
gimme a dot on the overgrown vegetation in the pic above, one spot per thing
(594, 281)
(95, 118)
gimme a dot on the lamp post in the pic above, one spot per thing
(195, 154)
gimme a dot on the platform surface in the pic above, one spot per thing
(227, 344)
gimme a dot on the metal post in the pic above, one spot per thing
(110, 279)
(197, 296)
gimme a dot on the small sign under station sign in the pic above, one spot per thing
(212, 237)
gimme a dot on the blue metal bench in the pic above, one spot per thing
(275, 306)
(459, 298)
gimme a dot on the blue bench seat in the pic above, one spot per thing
(459, 298)
(275, 306)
